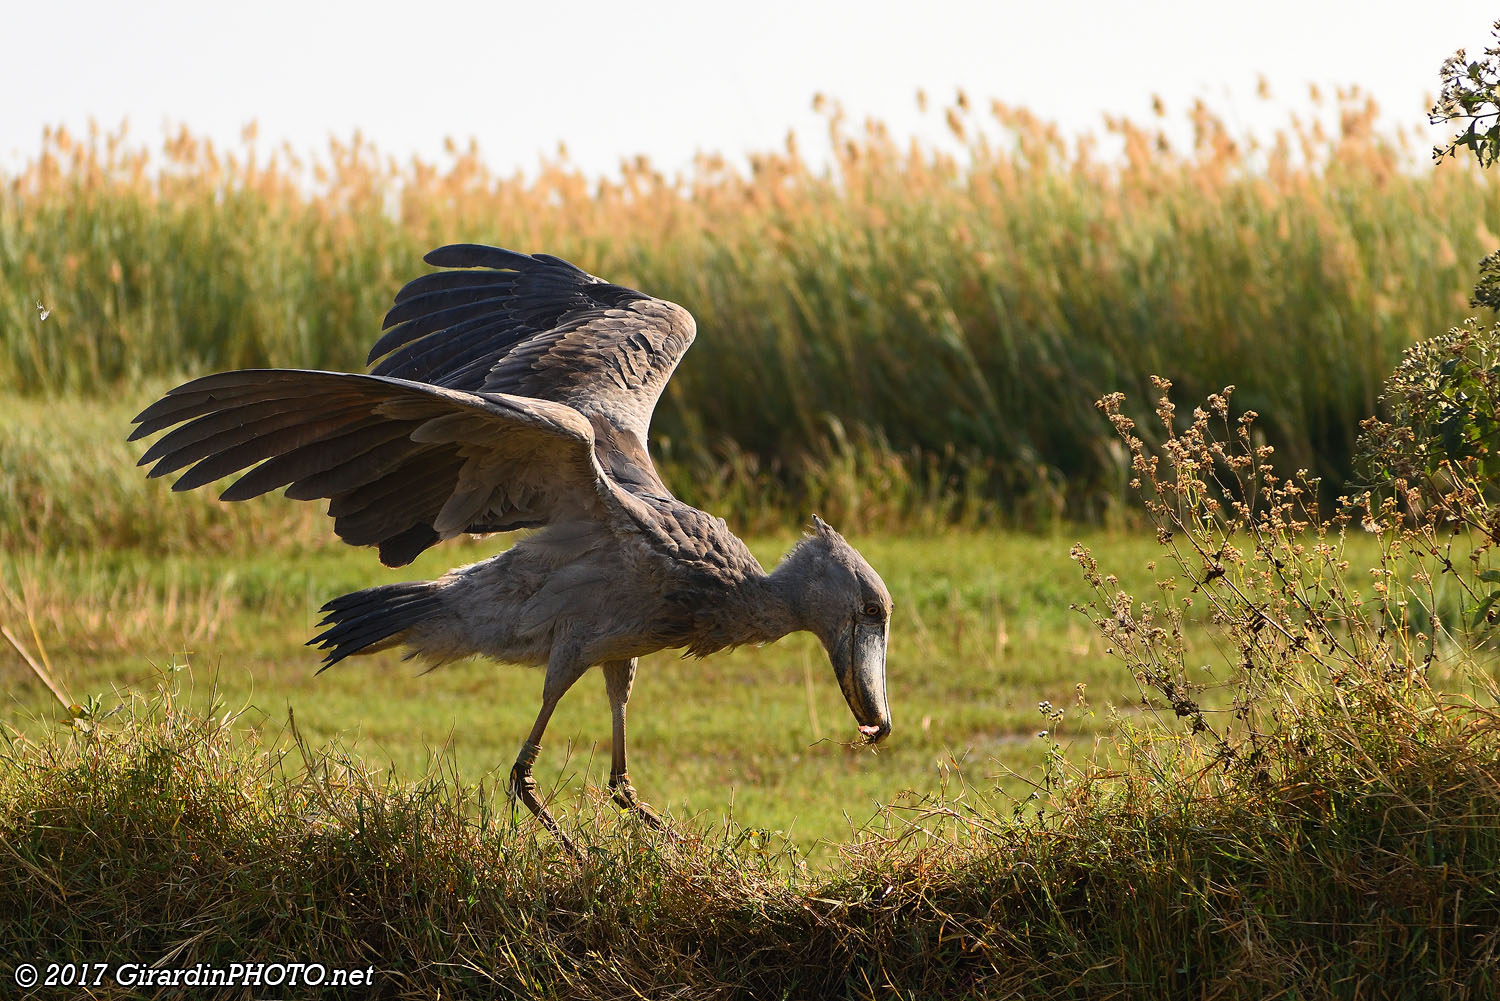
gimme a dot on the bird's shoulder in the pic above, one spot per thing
(693, 541)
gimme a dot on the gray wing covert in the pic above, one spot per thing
(695, 539)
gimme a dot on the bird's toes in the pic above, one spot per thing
(567, 844)
(649, 817)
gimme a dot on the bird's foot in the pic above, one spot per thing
(523, 787)
(623, 793)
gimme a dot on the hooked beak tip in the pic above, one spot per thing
(875, 734)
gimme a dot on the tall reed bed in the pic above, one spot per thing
(952, 308)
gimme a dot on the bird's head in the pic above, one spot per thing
(842, 600)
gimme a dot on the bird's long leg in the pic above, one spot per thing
(619, 676)
(562, 671)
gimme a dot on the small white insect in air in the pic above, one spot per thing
(42, 312)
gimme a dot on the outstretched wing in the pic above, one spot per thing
(537, 326)
(403, 464)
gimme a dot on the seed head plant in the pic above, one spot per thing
(1310, 658)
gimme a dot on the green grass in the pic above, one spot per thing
(123, 578)
(119, 582)
(982, 632)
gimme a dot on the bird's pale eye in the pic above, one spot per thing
(872, 610)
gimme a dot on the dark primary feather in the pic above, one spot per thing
(357, 620)
(390, 455)
(533, 295)
(535, 325)
(300, 464)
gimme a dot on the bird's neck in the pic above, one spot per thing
(757, 609)
(774, 606)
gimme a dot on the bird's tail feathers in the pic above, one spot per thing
(374, 619)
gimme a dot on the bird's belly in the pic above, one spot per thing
(619, 648)
(518, 607)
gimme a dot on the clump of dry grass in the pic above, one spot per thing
(952, 307)
(164, 835)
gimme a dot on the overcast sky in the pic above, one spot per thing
(665, 79)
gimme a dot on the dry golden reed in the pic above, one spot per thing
(955, 306)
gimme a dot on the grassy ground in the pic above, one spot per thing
(982, 633)
(138, 586)
(1344, 847)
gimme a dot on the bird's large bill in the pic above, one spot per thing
(859, 663)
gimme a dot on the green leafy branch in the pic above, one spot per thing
(1470, 95)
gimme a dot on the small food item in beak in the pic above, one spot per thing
(868, 731)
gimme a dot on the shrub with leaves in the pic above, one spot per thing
(1443, 404)
(1437, 445)
(1470, 96)
(1434, 456)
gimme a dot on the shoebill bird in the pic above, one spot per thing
(515, 392)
